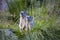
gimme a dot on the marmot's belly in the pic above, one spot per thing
(24, 22)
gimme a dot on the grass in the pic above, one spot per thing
(46, 27)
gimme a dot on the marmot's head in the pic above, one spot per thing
(30, 18)
(23, 13)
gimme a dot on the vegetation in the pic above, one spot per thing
(46, 17)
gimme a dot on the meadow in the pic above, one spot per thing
(46, 22)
